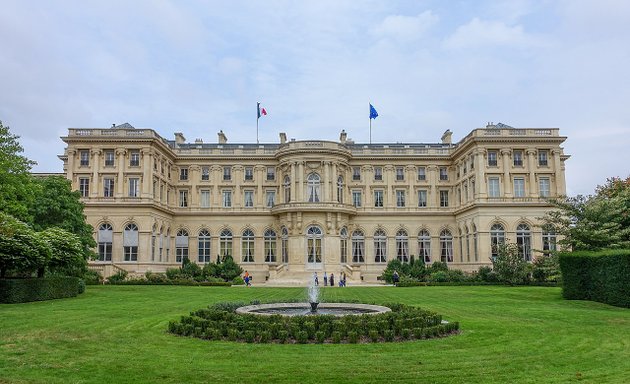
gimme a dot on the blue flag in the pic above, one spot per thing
(373, 113)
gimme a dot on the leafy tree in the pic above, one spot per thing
(229, 269)
(67, 252)
(56, 205)
(22, 250)
(509, 266)
(15, 178)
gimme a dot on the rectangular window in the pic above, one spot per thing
(544, 187)
(105, 251)
(400, 173)
(356, 173)
(130, 253)
(205, 173)
(227, 173)
(84, 186)
(270, 199)
(108, 187)
(227, 198)
(183, 173)
(271, 173)
(493, 187)
(134, 187)
(356, 198)
(204, 201)
(378, 198)
(85, 157)
(134, 159)
(400, 198)
(443, 173)
(492, 158)
(519, 187)
(422, 173)
(249, 173)
(443, 198)
(543, 158)
(249, 199)
(378, 173)
(422, 198)
(517, 156)
(109, 158)
(183, 198)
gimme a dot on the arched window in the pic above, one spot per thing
(287, 189)
(475, 242)
(204, 246)
(549, 241)
(524, 241)
(380, 246)
(461, 245)
(358, 247)
(247, 246)
(130, 242)
(343, 241)
(181, 245)
(153, 242)
(285, 245)
(314, 237)
(161, 244)
(340, 189)
(225, 243)
(467, 244)
(497, 237)
(168, 243)
(313, 188)
(446, 246)
(402, 246)
(105, 240)
(424, 246)
(270, 246)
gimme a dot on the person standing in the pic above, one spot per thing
(325, 279)
(332, 279)
(395, 278)
(315, 278)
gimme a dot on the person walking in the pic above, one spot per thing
(395, 277)
(315, 278)
(325, 279)
(332, 279)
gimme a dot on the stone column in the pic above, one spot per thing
(260, 176)
(293, 183)
(480, 174)
(120, 191)
(71, 153)
(433, 200)
(300, 182)
(147, 163)
(335, 176)
(507, 181)
(327, 192)
(558, 172)
(237, 177)
(368, 177)
(193, 179)
(95, 167)
(531, 167)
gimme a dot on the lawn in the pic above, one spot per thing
(117, 334)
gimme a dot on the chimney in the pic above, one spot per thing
(446, 137)
(283, 137)
(343, 136)
(179, 138)
(198, 141)
(113, 125)
(222, 137)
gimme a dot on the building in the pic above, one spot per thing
(288, 209)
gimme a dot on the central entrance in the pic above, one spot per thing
(314, 236)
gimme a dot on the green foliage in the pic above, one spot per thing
(190, 270)
(21, 248)
(546, 269)
(599, 276)
(415, 269)
(438, 266)
(486, 274)
(229, 269)
(509, 266)
(117, 277)
(92, 277)
(25, 290)
(68, 255)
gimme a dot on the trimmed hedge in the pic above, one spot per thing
(602, 276)
(471, 283)
(185, 282)
(25, 290)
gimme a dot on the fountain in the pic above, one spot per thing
(313, 295)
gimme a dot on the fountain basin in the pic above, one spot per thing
(304, 309)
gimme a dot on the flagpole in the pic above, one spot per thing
(257, 118)
(370, 103)
(257, 130)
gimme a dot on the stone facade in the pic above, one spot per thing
(286, 210)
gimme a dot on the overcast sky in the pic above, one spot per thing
(199, 67)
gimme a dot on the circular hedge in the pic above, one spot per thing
(221, 322)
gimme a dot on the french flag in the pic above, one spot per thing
(261, 111)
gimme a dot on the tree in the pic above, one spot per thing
(15, 178)
(56, 205)
(509, 265)
(22, 250)
(67, 256)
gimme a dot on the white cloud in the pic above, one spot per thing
(405, 28)
(479, 33)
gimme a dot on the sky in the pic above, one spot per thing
(198, 67)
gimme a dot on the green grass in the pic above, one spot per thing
(117, 334)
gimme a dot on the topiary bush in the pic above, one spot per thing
(25, 290)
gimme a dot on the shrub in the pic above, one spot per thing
(117, 277)
(374, 335)
(302, 337)
(353, 337)
(229, 269)
(509, 266)
(283, 335)
(92, 277)
(438, 266)
(546, 268)
(439, 276)
(173, 273)
(486, 274)
(25, 290)
(336, 337)
(238, 281)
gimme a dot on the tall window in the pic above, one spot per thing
(543, 158)
(227, 198)
(287, 189)
(314, 244)
(134, 187)
(402, 246)
(270, 198)
(181, 245)
(183, 174)
(130, 242)
(340, 189)
(225, 243)
(249, 173)
(356, 198)
(109, 158)
(105, 239)
(271, 173)
(247, 246)
(443, 198)
(270, 246)
(422, 198)
(443, 173)
(518, 158)
(356, 173)
(378, 198)
(204, 198)
(492, 158)
(168, 243)
(205, 173)
(519, 187)
(285, 245)
(380, 246)
(400, 198)
(84, 186)
(475, 243)
(134, 159)
(524, 241)
(204, 246)
(422, 175)
(467, 245)
(227, 173)
(544, 187)
(313, 188)
(424, 246)
(183, 198)
(84, 156)
(358, 247)
(400, 173)
(108, 187)
(343, 241)
(249, 199)
(446, 246)
(497, 237)
(378, 173)
(493, 187)
(549, 241)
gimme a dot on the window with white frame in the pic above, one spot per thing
(378, 173)
(544, 187)
(109, 158)
(356, 173)
(285, 245)
(271, 173)
(108, 187)
(494, 189)
(497, 238)
(204, 198)
(84, 157)
(270, 246)
(270, 198)
(84, 186)
(343, 245)
(249, 199)
(519, 187)
(356, 198)
(548, 241)
(380, 246)
(183, 174)
(134, 159)
(400, 198)
(134, 187)
(183, 198)
(181, 245)
(287, 189)
(543, 158)
(517, 157)
(524, 241)
(492, 158)
(205, 173)
(227, 198)
(424, 246)
(227, 173)
(247, 246)
(105, 240)
(400, 173)
(204, 246)
(402, 246)
(313, 188)
(443, 199)
(340, 189)
(422, 175)
(422, 198)
(314, 237)
(358, 247)
(378, 198)
(249, 173)
(443, 173)
(446, 246)
(225, 243)
(130, 242)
